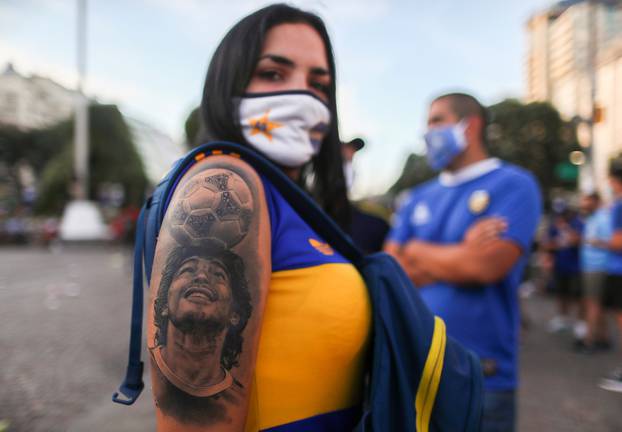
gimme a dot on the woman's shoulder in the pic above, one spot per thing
(232, 166)
(220, 197)
(234, 186)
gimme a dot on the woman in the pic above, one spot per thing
(255, 322)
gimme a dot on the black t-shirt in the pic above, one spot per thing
(367, 231)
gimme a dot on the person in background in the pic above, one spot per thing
(612, 298)
(367, 230)
(562, 241)
(594, 271)
(464, 238)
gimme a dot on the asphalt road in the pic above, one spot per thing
(64, 320)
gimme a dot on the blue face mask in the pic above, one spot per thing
(443, 144)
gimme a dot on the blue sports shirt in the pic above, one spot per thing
(597, 227)
(483, 318)
(614, 265)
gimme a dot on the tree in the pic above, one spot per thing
(192, 126)
(535, 137)
(112, 158)
(12, 143)
(33, 147)
(416, 170)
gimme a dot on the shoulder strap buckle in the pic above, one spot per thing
(131, 387)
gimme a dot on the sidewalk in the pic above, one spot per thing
(559, 391)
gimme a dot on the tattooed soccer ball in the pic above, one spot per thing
(213, 208)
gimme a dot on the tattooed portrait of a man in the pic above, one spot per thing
(201, 308)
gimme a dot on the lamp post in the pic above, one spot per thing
(81, 123)
(81, 219)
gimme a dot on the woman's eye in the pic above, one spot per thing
(270, 75)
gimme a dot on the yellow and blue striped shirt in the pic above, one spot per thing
(314, 336)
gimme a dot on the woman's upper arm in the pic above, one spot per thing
(210, 278)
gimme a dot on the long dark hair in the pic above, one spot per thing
(228, 75)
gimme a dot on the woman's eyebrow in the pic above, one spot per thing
(278, 59)
(319, 71)
(287, 62)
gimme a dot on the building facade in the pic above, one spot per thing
(608, 131)
(573, 58)
(33, 102)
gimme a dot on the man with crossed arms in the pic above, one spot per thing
(464, 238)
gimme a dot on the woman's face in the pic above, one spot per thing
(293, 58)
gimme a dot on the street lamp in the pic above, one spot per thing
(81, 219)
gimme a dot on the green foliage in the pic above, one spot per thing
(112, 158)
(535, 137)
(416, 170)
(192, 125)
(55, 182)
(36, 147)
(12, 144)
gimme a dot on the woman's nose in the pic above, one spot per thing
(299, 81)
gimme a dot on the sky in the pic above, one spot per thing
(393, 56)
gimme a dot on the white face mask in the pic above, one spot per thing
(288, 127)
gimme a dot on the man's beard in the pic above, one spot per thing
(199, 327)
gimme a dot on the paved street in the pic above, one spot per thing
(559, 391)
(64, 320)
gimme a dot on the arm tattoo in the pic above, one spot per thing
(204, 299)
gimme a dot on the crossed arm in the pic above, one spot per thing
(481, 258)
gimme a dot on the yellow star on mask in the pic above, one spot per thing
(263, 125)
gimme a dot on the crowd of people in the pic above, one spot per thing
(585, 250)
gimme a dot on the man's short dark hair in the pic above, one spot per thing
(234, 266)
(464, 105)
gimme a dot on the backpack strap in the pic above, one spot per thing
(148, 227)
(133, 383)
(300, 201)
